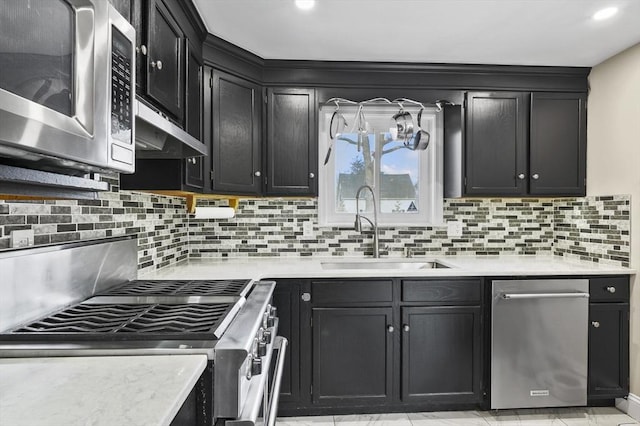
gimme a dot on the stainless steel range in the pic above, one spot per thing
(230, 321)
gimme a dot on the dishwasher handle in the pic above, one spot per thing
(510, 296)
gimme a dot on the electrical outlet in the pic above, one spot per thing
(21, 238)
(454, 229)
(307, 228)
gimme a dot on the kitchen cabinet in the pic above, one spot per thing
(236, 126)
(292, 148)
(194, 167)
(352, 355)
(165, 59)
(441, 341)
(353, 342)
(287, 298)
(523, 144)
(608, 338)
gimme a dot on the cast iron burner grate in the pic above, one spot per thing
(129, 322)
(180, 288)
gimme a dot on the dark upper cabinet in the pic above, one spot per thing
(235, 135)
(352, 356)
(165, 60)
(292, 148)
(516, 144)
(194, 168)
(558, 144)
(496, 143)
(608, 375)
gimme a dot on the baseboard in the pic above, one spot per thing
(631, 406)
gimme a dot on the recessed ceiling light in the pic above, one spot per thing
(305, 4)
(605, 13)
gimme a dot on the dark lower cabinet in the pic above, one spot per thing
(286, 298)
(352, 356)
(608, 338)
(441, 359)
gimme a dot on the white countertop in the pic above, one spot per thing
(96, 391)
(312, 267)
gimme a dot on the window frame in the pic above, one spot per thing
(431, 181)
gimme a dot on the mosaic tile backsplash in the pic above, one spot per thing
(591, 228)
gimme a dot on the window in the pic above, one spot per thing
(407, 184)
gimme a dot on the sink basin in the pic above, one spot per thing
(383, 265)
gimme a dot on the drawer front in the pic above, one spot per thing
(351, 291)
(441, 290)
(609, 289)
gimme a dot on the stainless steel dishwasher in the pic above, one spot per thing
(539, 343)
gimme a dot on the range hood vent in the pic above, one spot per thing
(157, 137)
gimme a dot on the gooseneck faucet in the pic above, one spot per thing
(374, 224)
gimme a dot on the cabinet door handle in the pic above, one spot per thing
(312, 175)
(257, 174)
(142, 49)
(535, 176)
(306, 297)
(596, 324)
(390, 328)
(521, 176)
(611, 289)
(156, 64)
(405, 327)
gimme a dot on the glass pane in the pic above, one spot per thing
(395, 179)
(399, 180)
(354, 167)
(36, 51)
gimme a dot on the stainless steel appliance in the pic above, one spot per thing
(539, 343)
(229, 321)
(67, 86)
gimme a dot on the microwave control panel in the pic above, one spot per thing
(121, 88)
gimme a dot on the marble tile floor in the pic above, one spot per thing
(597, 416)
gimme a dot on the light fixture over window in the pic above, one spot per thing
(305, 4)
(605, 13)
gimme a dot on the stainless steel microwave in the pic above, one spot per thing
(67, 86)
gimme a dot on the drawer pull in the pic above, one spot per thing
(611, 289)
(596, 324)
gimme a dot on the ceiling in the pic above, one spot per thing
(509, 32)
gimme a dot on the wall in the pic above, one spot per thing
(594, 229)
(613, 157)
(160, 222)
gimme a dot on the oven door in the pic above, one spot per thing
(261, 404)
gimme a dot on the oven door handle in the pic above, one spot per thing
(281, 346)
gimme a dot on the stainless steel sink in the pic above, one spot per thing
(404, 265)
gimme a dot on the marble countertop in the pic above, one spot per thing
(97, 391)
(458, 266)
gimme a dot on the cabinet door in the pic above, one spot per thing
(352, 355)
(292, 148)
(165, 64)
(558, 144)
(441, 354)
(496, 143)
(286, 298)
(194, 167)
(235, 142)
(608, 350)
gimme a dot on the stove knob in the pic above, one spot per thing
(256, 366)
(267, 336)
(262, 349)
(265, 320)
(273, 313)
